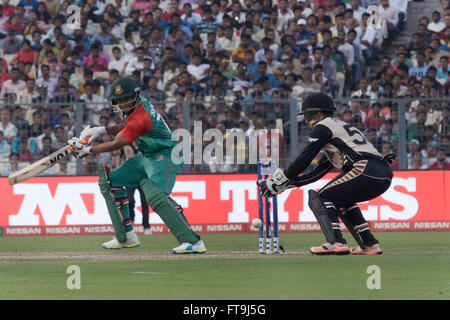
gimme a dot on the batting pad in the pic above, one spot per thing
(116, 219)
(159, 202)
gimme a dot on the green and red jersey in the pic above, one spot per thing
(146, 126)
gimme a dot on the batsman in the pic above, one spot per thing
(152, 169)
(365, 175)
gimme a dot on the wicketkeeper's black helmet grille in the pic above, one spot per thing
(319, 102)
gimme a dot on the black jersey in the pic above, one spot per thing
(342, 143)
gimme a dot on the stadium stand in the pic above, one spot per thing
(232, 64)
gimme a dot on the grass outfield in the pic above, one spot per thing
(415, 265)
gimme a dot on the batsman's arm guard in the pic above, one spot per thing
(320, 212)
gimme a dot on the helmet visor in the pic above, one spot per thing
(309, 115)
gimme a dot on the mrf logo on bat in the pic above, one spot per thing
(52, 161)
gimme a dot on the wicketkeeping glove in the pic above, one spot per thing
(80, 148)
(389, 158)
(275, 185)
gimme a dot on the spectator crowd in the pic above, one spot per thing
(235, 64)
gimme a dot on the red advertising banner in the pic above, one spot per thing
(416, 200)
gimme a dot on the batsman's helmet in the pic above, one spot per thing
(124, 88)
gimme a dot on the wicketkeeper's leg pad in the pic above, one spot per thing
(350, 226)
(358, 226)
(159, 202)
(327, 216)
(317, 206)
(117, 203)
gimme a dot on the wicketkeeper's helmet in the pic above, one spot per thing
(317, 102)
(124, 88)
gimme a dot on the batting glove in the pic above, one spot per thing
(92, 133)
(80, 148)
(275, 185)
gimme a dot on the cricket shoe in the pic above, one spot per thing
(147, 231)
(372, 250)
(132, 241)
(328, 248)
(198, 247)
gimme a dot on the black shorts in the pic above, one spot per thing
(367, 180)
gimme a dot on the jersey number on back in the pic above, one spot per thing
(352, 131)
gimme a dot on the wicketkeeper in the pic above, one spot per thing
(153, 169)
(365, 175)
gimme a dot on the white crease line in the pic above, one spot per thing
(144, 272)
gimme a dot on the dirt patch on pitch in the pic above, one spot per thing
(125, 255)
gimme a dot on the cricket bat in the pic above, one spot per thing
(39, 166)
